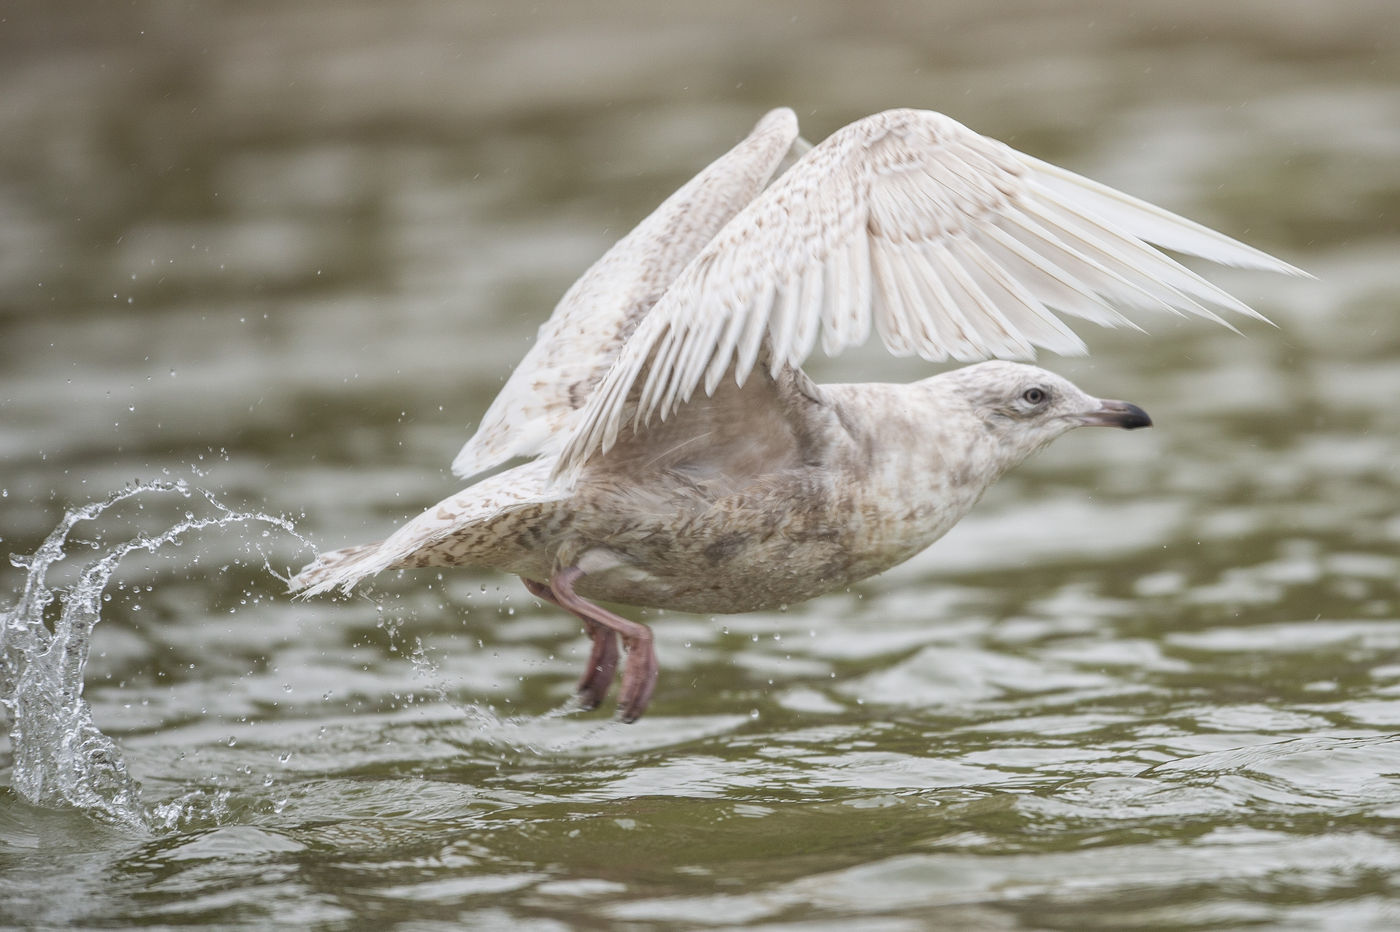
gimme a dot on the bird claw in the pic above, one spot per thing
(602, 664)
(638, 679)
(639, 673)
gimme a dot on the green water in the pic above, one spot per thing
(288, 253)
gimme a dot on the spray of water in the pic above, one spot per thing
(61, 758)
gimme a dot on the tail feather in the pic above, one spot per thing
(339, 569)
(472, 527)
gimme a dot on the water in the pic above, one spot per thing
(61, 758)
(289, 253)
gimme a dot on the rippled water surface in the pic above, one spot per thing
(286, 254)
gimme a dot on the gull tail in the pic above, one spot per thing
(341, 569)
(479, 526)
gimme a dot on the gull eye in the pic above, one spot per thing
(1034, 396)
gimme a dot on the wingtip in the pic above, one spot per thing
(778, 116)
(1245, 256)
(1154, 224)
(1288, 269)
(467, 462)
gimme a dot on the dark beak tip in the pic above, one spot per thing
(1133, 417)
(1119, 414)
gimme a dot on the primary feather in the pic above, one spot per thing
(592, 322)
(906, 223)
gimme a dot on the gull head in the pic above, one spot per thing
(1026, 407)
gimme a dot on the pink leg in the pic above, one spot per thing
(640, 670)
(602, 660)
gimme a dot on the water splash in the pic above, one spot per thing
(61, 758)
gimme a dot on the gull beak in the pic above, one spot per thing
(1117, 414)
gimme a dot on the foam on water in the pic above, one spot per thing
(61, 758)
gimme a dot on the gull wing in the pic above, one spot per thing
(946, 243)
(594, 319)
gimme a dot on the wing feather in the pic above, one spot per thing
(944, 242)
(592, 322)
(1152, 224)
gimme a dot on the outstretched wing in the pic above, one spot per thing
(948, 243)
(594, 319)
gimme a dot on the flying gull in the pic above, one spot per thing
(679, 457)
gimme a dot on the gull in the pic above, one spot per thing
(677, 456)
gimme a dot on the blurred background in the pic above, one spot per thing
(289, 251)
(246, 220)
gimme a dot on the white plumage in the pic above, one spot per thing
(536, 407)
(762, 487)
(950, 244)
